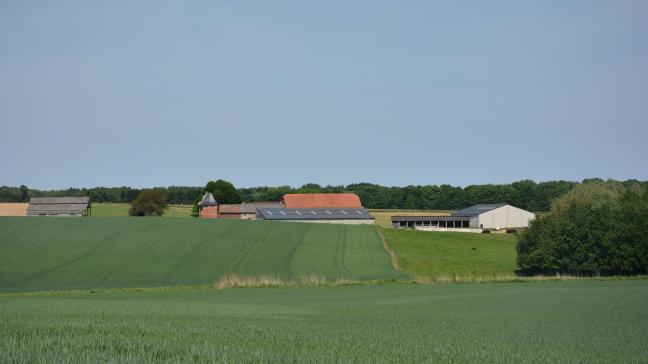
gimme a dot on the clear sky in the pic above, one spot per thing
(111, 93)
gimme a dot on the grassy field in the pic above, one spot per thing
(437, 254)
(561, 322)
(121, 209)
(383, 217)
(40, 253)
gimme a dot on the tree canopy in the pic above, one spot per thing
(598, 228)
(153, 202)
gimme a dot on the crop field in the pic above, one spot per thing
(383, 217)
(41, 253)
(442, 254)
(401, 323)
(13, 209)
(121, 209)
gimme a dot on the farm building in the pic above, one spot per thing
(59, 206)
(321, 200)
(478, 217)
(332, 208)
(209, 208)
(320, 215)
(244, 210)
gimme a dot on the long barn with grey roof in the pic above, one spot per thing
(477, 217)
(59, 206)
(321, 215)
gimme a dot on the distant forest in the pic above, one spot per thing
(525, 194)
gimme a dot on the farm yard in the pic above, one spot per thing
(487, 323)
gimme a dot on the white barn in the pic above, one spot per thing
(496, 216)
(474, 218)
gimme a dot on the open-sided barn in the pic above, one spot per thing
(483, 216)
(59, 206)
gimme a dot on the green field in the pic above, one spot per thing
(40, 253)
(121, 209)
(560, 322)
(434, 254)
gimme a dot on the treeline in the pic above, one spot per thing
(598, 228)
(176, 194)
(525, 194)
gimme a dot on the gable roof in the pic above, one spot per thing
(58, 205)
(57, 200)
(321, 200)
(478, 209)
(314, 214)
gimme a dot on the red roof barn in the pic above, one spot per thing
(321, 200)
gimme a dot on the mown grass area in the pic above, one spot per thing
(560, 322)
(104, 209)
(41, 253)
(383, 217)
(447, 254)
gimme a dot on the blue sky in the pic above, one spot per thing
(273, 93)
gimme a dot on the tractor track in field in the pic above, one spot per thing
(96, 247)
(245, 250)
(339, 251)
(150, 243)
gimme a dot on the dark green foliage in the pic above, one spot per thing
(223, 191)
(599, 235)
(151, 202)
(24, 193)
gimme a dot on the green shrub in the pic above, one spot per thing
(151, 202)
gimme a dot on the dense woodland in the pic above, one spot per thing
(525, 194)
(598, 228)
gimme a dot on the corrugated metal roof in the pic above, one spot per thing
(321, 200)
(59, 200)
(430, 218)
(58, 205)
(315, 214)
(478, 209)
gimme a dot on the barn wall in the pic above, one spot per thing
(506, 217)
(209, 212)
(345, 222)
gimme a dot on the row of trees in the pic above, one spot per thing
(598, 228)
(525, 194)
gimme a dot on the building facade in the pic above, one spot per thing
(474, 218)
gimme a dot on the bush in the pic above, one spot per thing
(586, 237)
(149, 203)
(486, 231)
(511, 231)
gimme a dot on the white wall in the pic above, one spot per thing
(505, 217)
